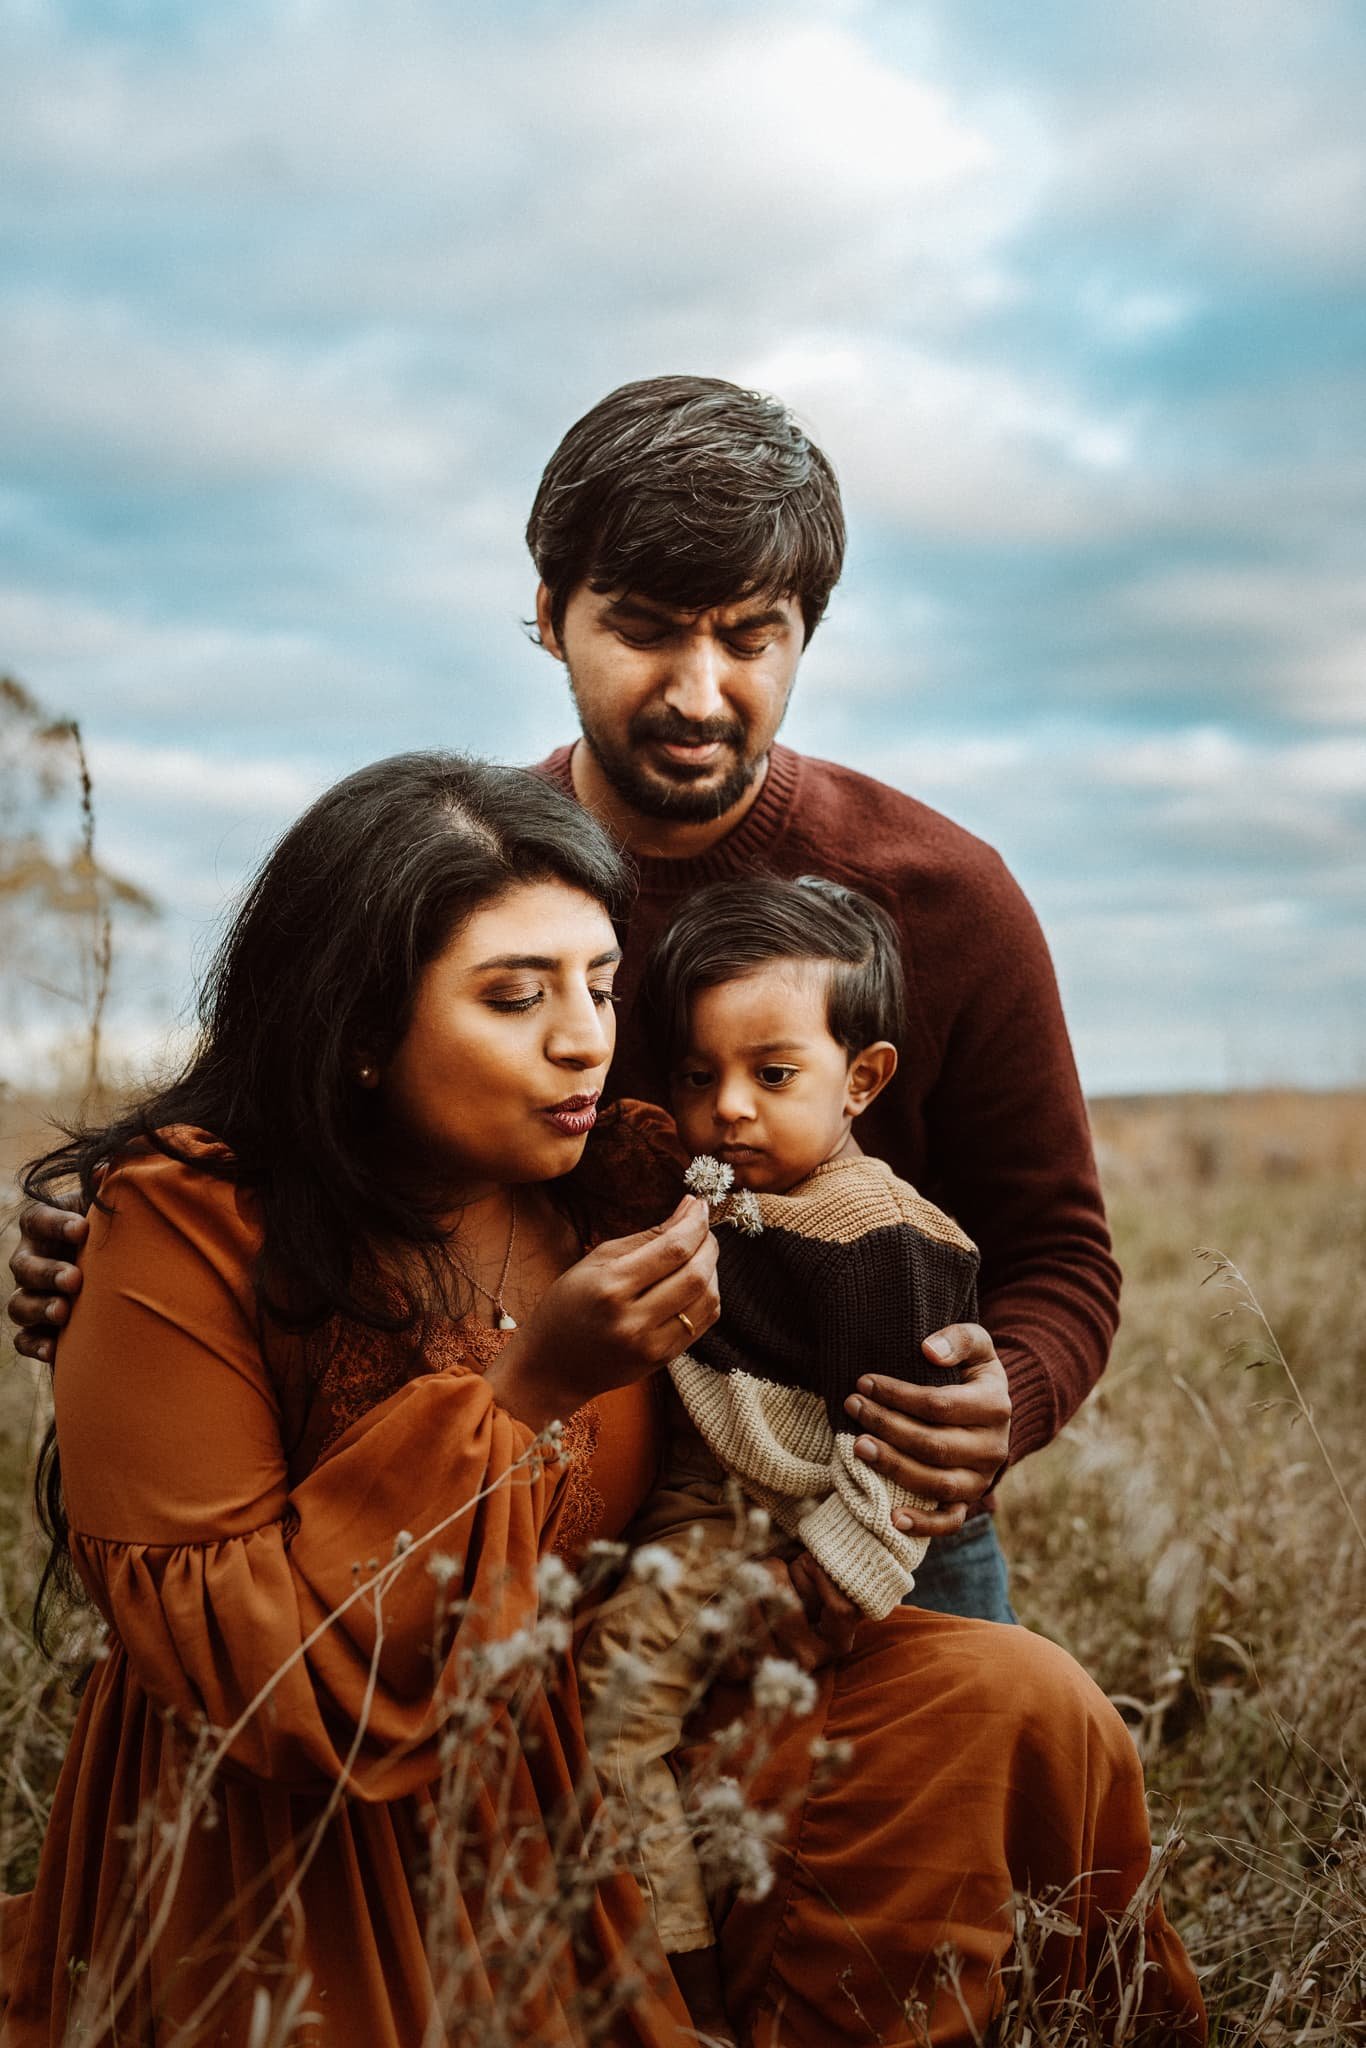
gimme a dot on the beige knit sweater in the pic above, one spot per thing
(852, 1270)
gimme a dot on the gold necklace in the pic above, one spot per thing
(502, 1320)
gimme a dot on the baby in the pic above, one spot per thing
(777, 1006)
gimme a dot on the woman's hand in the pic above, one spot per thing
(948, 1443)
(612, 1319)
(48, 1280)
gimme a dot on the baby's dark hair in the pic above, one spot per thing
(729, 929)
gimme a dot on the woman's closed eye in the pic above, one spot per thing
(602, 998)
(523, 1000)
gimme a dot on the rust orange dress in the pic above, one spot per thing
(307, 1745)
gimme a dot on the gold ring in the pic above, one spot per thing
(686, 1324)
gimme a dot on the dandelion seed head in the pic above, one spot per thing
(710, 1178)
(443, 1567)
(403, 1542)
(655, 1566)
(556, 1586)
(781, 1687)
(752, 1580)
(509, 1654)
(733, 1840)
(840, 1754)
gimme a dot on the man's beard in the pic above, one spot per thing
(686, 795)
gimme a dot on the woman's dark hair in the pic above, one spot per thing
(692, 492)
(731, 928)
(318, 973)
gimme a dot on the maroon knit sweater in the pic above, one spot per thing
(985, 1115)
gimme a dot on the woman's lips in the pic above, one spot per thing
(575, 1116)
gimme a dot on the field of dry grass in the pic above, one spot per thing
(1195, 1538)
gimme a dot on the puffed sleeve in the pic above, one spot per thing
(281, 1614)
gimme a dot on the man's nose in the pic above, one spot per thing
(694, 686)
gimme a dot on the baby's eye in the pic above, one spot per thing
(776, 1077)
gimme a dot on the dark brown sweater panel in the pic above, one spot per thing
(985, 1115)
(815, 1315)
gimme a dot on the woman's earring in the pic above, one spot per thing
(368, 1076)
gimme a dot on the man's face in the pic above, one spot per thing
(679, 709)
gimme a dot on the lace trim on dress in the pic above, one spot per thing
(366, 1366)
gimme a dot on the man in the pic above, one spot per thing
(688, 535)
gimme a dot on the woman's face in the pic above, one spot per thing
(497, 1076)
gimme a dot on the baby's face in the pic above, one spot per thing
(762, 1084)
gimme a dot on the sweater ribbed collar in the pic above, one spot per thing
(740, 851)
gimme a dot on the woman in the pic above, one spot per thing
(348, 1273)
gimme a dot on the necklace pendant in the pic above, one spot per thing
(505, 1321)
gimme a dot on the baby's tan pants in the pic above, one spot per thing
(635, 1725)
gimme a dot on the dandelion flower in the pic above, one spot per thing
(710, 1178)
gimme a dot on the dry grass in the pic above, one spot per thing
(1200, 1552)
(1193, 1539)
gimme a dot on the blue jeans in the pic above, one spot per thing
(965, 1574)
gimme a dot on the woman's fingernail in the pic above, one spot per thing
(868, 1449)
(941, 1347)
(53, 1308)
(854, 1406)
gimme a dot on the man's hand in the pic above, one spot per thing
(47, 1280)
(947, 1443)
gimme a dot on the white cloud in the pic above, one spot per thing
(208, 784)
(95, 380)
(773, 160)
(109, 666)
(965, 450)
(1228, 131)
(1303, 630)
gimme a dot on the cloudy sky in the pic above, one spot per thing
(296, 298)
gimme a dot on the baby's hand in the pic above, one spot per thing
(831, 1613)
(809, 1620)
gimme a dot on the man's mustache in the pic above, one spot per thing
(669, 728)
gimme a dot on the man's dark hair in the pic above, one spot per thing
(730, 929)
(692, 492)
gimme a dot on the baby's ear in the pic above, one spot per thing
(869, 1073)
